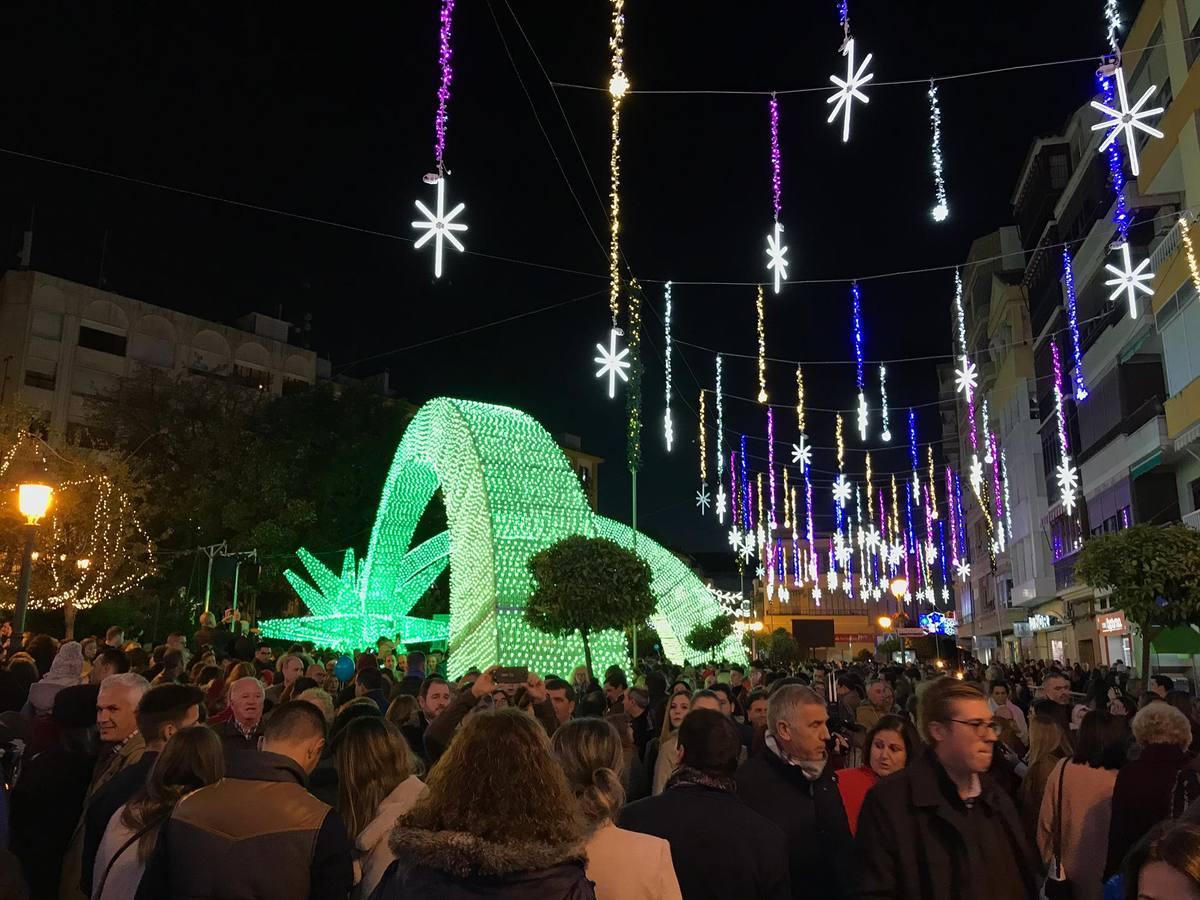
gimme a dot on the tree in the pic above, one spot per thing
(708, 636)
(586, 585)
(1154, 576)
(783, 648)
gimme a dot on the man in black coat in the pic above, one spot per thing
(698, 812)
(940, 829)
(792, 784)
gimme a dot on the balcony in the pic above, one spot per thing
(1192, 520)
(1183, 410)
(1144, 434)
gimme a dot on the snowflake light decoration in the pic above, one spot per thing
(439, 226)
(871, 538)
(612, 363)
(966, 377)
(817, 594)
(1129, 280)
(802, 452)
(745, 548)
(735, 537)
(863, 414)
(849, 89)
(777, 253)
(1126, 118)
(703, 498)
(976, 474)
(721, 503)
(1067, 477)
(841, 490)
(962, 568)
(759, 572)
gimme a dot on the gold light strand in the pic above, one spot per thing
(787, 517)
(762, 347)
(759, 490)
(895, 509)
(617, 87)
(933, 514)
(1185, 229)
(703, 443)
(870, 506)
(841, 444)
(800, 398)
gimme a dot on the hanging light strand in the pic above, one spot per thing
(720, 418)
(668, 428)
(941, 207)
(771, 466)
(633, 395)
(1081, 391)
(762, 345)
(800, 398)
(1185, 229)
(856, 309)
(703, 441)
(443, 94)
(617, 86)
(886, 434)
(776, 167)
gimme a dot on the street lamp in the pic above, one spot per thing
(82, 564)
(899, 587)
(32, 500)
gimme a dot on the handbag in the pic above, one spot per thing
(1057, 887)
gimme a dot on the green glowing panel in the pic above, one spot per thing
(509, 492)
(683, 600)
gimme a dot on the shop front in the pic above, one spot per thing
(1051, 636)
(1116, 638)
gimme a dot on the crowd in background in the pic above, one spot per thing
(222, 766)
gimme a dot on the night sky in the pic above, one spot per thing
(331, 117)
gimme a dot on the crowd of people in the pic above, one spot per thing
(222, 767)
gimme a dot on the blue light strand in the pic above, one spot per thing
(912, 439)
(910, 540)
(856, 298)
(1081, 391)
(745, 479)
(962, 520)
(1116, 165)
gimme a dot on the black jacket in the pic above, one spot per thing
(44, 806)
(698, 821)
(103, 804)
(455, 865)
(811, 814)
(915, 840)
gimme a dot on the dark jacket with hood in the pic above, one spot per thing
(455, 865)
(918, 840)
(811, 814)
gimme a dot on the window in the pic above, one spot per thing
(101, 341)
(1060, 171)
(46, 325)
(1194, 488)
(40, 379)
(1181, 339)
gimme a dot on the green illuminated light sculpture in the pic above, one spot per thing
(509, 492)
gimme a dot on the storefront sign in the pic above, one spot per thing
(863, 638)
(1039, 622)
(1112, 623)
(1021, 629)
(985, 642)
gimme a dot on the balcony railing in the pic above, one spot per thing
(1165, 249)
(1192, 520)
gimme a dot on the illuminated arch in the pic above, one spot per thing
(509, 492)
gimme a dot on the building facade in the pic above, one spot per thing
(64, 344)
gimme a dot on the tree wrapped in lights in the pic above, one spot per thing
(91, 545)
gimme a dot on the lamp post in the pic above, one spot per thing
(32, 500)
(899, 587)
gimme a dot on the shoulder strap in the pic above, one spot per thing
(99, 891)
(1058, 817)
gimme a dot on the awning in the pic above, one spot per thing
(1183, 640)
(1187, 437)
(1150, 462)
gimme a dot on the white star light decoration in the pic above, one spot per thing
(721, 503)
(1127, 118)
(703, 498)
(871, 538)
(802, 452)
(848, 90)
(612, 363)
(862, 416)
(778, 256)
(439, 226)
(966, 377)
(976, 474)
(1068, 481)
(1129, 280)
(841, 490)
(963, 569)
(745, 548)
(759, 572)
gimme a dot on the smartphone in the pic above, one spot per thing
(510, 675)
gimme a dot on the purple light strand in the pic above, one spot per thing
(771, 463)
(444, 54)
(744, 493)
(996, 491)
(953, 514)
(776, 176)
(1060, 412)
(1081, 391)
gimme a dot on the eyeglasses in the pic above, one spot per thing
(981, 726)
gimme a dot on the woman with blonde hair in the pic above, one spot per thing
(191, 759)
(622, 864)
(1047, 745)
(665, 753)
(376, 784)
(498, 820)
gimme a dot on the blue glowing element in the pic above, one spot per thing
(1081, 391)
(1116, 166)
(856, 298)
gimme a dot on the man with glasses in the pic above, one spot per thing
(943, 809)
